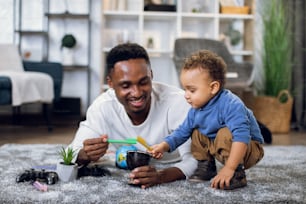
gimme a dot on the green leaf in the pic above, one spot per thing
(276, 48)
(67, 155)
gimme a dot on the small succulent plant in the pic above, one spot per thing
(67, 155)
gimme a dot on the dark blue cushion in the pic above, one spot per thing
(5, 90)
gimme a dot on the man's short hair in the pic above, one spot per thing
(124, 52)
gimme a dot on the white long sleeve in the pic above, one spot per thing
(168, 109)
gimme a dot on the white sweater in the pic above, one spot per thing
(168, 109)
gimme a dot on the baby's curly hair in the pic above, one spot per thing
(210, 61)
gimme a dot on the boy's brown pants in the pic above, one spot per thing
(203, 148)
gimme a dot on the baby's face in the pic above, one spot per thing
(198, 85)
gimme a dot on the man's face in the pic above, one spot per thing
(132, 83)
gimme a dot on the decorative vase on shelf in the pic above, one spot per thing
(150, 43)
(67, 46)
(67, 56)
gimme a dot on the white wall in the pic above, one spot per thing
(6, 21)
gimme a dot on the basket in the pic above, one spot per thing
(235, 9)
(272, 113)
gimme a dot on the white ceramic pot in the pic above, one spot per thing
(67, 56)
(67, 173)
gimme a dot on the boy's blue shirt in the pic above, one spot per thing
(224, 110)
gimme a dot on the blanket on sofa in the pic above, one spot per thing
(279, 178)
(26, 86)
(30, 87)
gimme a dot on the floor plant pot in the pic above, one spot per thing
(274, 113)
(67, 173)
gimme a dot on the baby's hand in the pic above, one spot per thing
(156, 152)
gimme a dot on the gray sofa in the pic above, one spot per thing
(183, 47)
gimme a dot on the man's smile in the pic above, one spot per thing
(137, 102)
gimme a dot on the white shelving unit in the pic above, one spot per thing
(38, 34)
(82, 19)
(126, 20)
(31, 26)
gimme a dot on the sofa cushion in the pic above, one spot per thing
(5, 90)
(5, 83)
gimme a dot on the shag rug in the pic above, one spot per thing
(279, 178)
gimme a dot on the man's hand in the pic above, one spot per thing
(93, 149)
(147, 176)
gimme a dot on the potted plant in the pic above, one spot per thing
(274, 104)
(68, 42)
(66, 169)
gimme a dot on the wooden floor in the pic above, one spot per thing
(33, 132)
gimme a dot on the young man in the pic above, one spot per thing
(135, 105)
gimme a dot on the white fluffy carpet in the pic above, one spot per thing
(279, 178)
